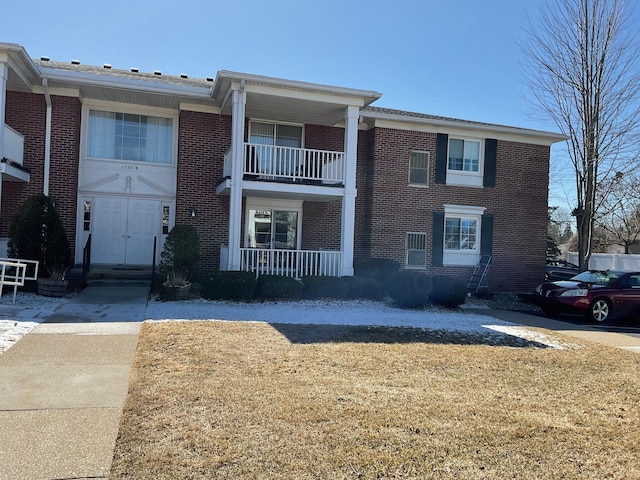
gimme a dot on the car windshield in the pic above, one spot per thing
(597, 277)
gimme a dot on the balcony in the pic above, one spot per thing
(302, 167)
(288, 263)
(13, 146)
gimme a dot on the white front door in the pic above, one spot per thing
(123, 230)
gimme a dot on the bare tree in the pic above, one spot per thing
(582, 70)
(619, 216)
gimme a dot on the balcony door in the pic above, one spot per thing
(275, 147)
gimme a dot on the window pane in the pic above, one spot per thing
(471, 156)
(452, 234)
(289, 136)
(456, 154)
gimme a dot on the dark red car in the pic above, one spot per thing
(600, 295)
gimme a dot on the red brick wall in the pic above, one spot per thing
(26, 113)
(203, 140)
(518, 203)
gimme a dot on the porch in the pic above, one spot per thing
(288, 263)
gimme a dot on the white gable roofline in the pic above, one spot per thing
(225, 79)
(391, 118)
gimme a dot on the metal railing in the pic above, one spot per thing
(86, 261)
(291, 263)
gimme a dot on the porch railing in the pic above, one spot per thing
(13, 146)
(291, 263)
(272, 162)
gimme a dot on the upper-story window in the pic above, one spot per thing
(419, 168)
(464, 155)
(130, 137)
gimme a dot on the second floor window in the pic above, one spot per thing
(464, 155)
(130, 137)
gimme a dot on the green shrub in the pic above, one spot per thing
(363, 287)
(324, 287)
(239, 286)
(409, 289)
(448, 292)
(277, 287)
(181, 250)
(378, 268)
(37, 233)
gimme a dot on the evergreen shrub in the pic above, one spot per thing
(238, 286)
(276, 287)
(324, 287)
(364, 288)
(409, 289)
(449, 292)
(378, 268)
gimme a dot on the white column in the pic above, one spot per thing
(4, 74)
(237, 156)
(347, 234)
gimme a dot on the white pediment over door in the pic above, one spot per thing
(122, 178)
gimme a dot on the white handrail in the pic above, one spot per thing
(13, 273)
(291, 263)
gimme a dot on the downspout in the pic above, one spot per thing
(47, 139)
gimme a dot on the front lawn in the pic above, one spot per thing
(230, 400)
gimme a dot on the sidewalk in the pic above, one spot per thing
(63, 386)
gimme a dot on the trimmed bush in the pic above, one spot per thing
(449, 292)
(378, 268)
(181, 250)
(365, 288)
(276, 287)
(324, 287)
(238, 286)
(409, 289)
(37, 233)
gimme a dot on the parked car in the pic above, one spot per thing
(560, 270)
(600, 295)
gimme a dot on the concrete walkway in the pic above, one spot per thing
(63, 386)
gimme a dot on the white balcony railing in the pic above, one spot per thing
(13, 146)
(291, 263)
(272, 162)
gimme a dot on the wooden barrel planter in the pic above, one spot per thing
(175, 292)
(50, 287)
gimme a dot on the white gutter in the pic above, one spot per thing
(47, 139)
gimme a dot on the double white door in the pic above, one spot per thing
(123, 230)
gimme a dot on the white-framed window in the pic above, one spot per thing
(130, 137)
(462, 234)
(273, 224)
(419, 168)
(465, 162)
(416, 246)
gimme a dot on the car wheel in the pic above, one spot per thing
(600, 310)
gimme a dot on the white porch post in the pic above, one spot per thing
(4, 74)
(237, 156)
(347, 233)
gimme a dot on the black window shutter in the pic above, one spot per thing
(437, 239)
(486, 242)
(442, 147)
(490, 154)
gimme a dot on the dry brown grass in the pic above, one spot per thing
(213, 400)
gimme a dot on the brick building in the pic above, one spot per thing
(278, 176)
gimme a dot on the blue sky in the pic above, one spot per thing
(456, 58)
